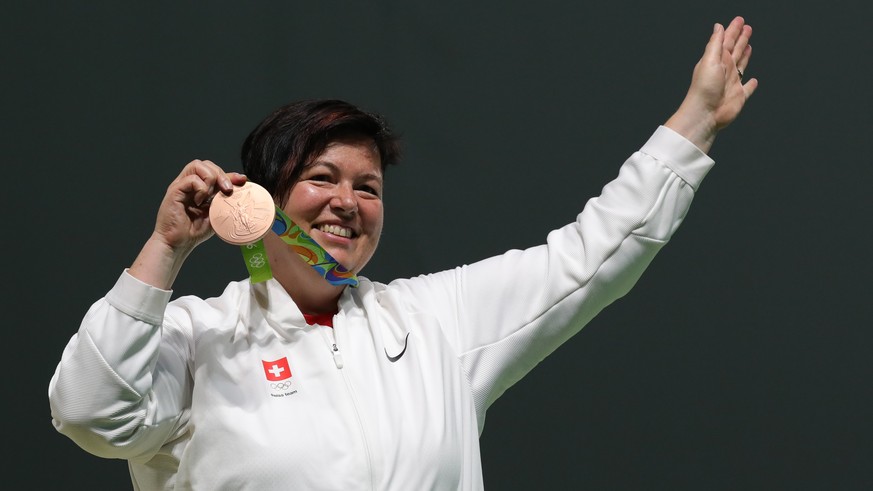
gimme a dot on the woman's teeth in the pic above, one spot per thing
(336, 230)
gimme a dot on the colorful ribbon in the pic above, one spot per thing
(313, 254)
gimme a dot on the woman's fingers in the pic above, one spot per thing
(236, 178)
(742, 49)
(736, 42)
(201, 179)
(750, 86)
(732, 33)
(715, 46)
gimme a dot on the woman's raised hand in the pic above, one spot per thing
(717, 93)
(183, 218)
(183, 221)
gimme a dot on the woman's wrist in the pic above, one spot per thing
(158, 263)
(697, 125)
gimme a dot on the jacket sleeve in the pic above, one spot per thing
(122, 387)
(505, 314)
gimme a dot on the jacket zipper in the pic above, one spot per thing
(331, 340)
(331, 345)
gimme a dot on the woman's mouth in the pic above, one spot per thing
(335, 230)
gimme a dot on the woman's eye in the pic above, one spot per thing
(369, 190)
(319, 178)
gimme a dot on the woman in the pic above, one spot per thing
(298, 383)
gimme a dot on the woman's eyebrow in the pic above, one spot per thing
(316, 163)
(335, 168)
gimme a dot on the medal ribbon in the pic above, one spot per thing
(309, 251)
(255, 257)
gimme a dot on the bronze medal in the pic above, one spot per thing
(245, 216)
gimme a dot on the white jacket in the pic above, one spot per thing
(195, 393)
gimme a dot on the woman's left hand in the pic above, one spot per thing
(717, 93)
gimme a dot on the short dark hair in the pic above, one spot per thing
(276, 151)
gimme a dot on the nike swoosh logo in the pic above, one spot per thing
(392, 359)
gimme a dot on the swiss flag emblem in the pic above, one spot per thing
(277, 370)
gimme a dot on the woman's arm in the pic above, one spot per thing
(182, 223)
(122, 387)
(503, 315)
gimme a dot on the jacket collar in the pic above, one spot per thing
(274, 304)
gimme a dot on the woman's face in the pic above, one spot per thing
(338, 201)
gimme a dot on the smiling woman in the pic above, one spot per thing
(337, 201)
(319, 385)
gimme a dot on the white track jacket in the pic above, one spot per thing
(239, 393)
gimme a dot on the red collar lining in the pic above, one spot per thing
(320, 319)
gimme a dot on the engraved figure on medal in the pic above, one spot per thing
(243, 217)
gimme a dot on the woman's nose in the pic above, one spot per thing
(344, 200)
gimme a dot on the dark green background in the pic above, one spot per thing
(739, 361)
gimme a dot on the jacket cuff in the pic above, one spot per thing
(139, 300)
(679, 154)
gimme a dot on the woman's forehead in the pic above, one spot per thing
(360, 154)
